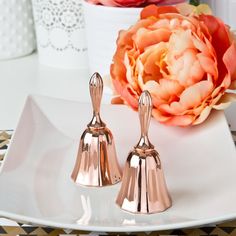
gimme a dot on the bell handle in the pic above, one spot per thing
(96, 90)
(145, 112)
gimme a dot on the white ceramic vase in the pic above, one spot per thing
(17, 37)
(102, 28)
(60, 33)
(224, 9)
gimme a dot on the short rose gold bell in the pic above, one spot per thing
(96, 163)
(143, 189)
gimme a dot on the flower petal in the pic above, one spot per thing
(191, 98)
(145, 38)
(203, 116)
(225, 101)
(208, 64)
(230, 61)
(185, 9)
(194, 95)
(154, 11)
(183, 121)
(159, 116)
(127, 93)
(117, 100)
(166, 91)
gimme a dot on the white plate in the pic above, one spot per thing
(199, 165)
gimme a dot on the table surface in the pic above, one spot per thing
(24, 76)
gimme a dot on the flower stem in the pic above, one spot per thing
(194, 2)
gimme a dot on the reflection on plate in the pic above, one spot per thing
(199, 165)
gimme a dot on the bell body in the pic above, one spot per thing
(96, 163)
(143, 188)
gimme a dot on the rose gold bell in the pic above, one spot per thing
(143, 189)
(96, 163)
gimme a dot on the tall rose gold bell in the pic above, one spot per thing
(96, 163)
(143, 188)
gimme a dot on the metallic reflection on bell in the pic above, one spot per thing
(96, 163)
(143, 188)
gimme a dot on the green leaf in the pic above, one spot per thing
(194, 2)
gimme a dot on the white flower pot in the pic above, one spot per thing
(60, 33)
(102, 28)
(224, 9)
(16, 29)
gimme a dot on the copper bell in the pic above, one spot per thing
(143, 188)
(96, 163)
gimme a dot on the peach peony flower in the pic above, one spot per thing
(187, 63)
(132, 3)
